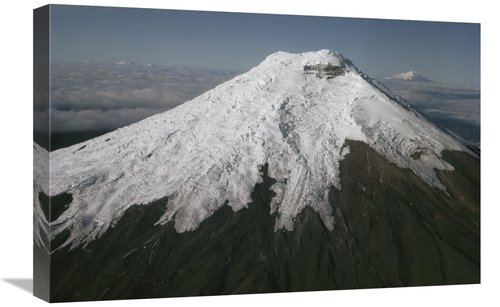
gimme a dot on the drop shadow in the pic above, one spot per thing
(22, 283)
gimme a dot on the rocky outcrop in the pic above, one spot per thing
(324, 71)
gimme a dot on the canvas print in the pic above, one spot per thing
(190, 153)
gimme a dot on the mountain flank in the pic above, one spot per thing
(391, 229)
(302, 174)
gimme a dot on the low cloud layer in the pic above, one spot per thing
(455, 108)
(89, 96)
(93, 97)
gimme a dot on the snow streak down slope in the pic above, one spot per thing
(293, 112)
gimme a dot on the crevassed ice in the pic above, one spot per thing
(211, 149)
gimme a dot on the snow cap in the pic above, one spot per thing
(322, 57)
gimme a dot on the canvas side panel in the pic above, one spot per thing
(41, 149)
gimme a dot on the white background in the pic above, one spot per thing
(16, 151)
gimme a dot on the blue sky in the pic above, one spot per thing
(441, 51)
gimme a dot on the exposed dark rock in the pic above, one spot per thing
(321, 70)
(54, 207)
(416, 155)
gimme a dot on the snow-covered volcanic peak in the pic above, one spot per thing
(409, 76)
(211, 149)
(129, 63)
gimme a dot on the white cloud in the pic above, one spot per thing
(108, 96)
(434, 98)
(453, 107)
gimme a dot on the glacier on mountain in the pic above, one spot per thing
(212, 149)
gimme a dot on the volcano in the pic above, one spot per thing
(409, 76)
(302, 174)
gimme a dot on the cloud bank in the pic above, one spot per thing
(456, 108)
(96, 97)
(90, 96)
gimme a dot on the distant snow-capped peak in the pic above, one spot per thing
(136, 64)
(409, 76)
(293, 112)
(129, 63)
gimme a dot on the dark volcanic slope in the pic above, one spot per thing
(391, 229)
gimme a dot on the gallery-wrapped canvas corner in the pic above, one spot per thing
(186, 153)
